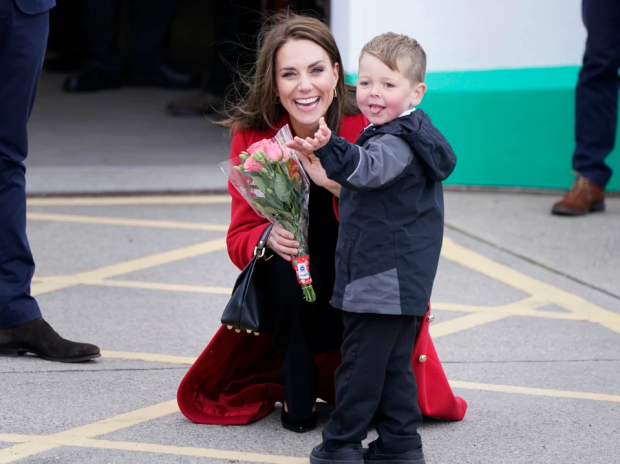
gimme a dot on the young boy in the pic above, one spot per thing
(391, 230)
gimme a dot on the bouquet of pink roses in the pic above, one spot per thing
(271, 180)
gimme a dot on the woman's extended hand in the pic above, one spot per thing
(282, 242)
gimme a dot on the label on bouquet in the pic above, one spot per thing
(302, 268)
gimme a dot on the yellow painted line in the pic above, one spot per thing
(150, 200)
(150, 357)
(535, 391)
(484, 317)
(523, 282)
(158, 286)
(16, 438)
(513, 311)
(113, 424)
(129, 266)
(232, 456)
(125, 222)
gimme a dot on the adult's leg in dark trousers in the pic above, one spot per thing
(102, 52)
(292, 321)
(398, 415)
(22, 47)
(597, 91)
(368, 342)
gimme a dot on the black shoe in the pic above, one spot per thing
(309, 423)
(39, 338)
(373, 455)
(91, 80)
(318, 456)
(165, 76)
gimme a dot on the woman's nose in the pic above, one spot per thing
(304, 84)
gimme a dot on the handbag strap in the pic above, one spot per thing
(259, 249)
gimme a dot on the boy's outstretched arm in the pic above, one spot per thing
(373, 166)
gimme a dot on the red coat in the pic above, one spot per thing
(235, 379)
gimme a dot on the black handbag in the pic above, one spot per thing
(244, 310)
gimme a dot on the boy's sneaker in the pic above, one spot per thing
(373, 455)
(318, 456)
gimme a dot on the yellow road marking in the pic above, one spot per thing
(150, 357)
(129, 266)
(150, 200)
(102, 427)
(155, 448)
(159, 286)
(518, 280)
(483, 317)
(126, 222)
(535, 391)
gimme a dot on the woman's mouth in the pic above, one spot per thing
(307, 104)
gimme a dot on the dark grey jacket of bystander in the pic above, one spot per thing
(391, 214)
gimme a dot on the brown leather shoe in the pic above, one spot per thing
(584, 197)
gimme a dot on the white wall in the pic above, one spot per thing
(467, 34)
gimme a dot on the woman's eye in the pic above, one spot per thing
(317, 70)
(287, 74)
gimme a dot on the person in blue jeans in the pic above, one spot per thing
(24, 26)
(596, 110)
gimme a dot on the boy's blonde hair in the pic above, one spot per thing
(399, 53)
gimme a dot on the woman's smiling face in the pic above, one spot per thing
(305, 80)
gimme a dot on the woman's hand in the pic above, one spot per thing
(315, 170)
(282, 242)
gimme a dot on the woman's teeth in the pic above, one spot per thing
(307, 102)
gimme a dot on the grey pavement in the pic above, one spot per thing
(531, 362)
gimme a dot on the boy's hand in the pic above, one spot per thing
(321, 138)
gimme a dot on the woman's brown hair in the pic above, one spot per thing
(257, 108)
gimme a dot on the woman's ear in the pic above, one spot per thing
(417, 94)
(336, 74)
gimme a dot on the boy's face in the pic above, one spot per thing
(383, 94)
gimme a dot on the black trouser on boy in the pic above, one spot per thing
(376, 379)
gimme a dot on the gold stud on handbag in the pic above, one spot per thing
(430, 318)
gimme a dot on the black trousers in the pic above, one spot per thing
(23, 39)
(597, 91)
(376, 379)
(301, 329)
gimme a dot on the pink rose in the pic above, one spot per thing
(271, 149)
(251, 165)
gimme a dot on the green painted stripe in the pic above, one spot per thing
(507, 137)
(495, 80)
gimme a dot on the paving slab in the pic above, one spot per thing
(51, 402)
(522, 339)
(214, 269)
(585, 248)
(30, 364)
(67, 248)
(457, 284)
(507, 429)
(145, 321)
(213, 213)
(594, 376)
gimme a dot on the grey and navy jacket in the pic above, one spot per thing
(391, 214)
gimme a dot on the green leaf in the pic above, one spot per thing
(282, 189)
